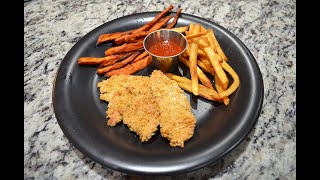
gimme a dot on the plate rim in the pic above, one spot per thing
(160, 173)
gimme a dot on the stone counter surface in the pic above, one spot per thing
(267, 28)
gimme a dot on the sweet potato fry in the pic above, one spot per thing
(111, 36)
(137, 40)
(160, 24)
(108, 37)
(142, 34)
(124, 48)
(118, 65)
(202, 77)
(102, 60)
(236, 81)
(94, 60)
(120, 40)
(131, 68)
(174, 22)
(155, 20)
(108, 63)
(142, 55)
(219, 88)
(145, 27)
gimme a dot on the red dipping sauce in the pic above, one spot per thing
(165, 48)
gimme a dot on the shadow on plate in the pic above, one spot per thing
(206, 172)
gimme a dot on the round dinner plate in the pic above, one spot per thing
(219, 128)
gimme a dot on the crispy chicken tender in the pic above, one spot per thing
(143, 103)
(177, 123)
(130, 100)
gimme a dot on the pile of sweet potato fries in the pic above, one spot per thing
(128, 55)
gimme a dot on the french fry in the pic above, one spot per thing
(217, 45)
(204, 91)
(181, 30)
(191, 28)
(193, 62)
(219, 88)
(118, 65)
(214, 62)
(202, 29)
(188, 88)
(124, 48)
(201, 53)
(187, 51)
(211, 42)
(206, 61)
(205, 67)
(236, 81)
(195, 35)
(131, 68)
(174, 22)
(219, 58)
(202, 77)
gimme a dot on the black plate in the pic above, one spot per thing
(219, 129)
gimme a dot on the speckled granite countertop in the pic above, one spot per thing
(51, 28)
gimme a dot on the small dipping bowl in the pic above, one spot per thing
(165, 47)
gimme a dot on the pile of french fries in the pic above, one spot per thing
(128, 55)
(204, 55)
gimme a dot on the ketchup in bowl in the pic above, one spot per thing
(165, 48)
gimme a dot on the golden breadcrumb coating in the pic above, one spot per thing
(130, 100)
(177, 123)
(142, 103)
